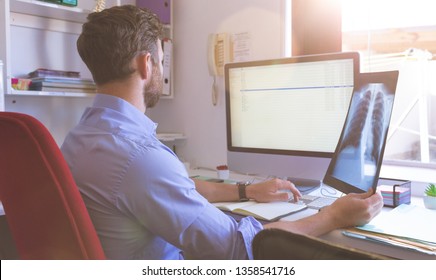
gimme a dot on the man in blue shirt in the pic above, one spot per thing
(140, 198)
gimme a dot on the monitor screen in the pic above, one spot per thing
(290, 107)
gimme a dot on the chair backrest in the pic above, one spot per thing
(44, 209)
(275, 244)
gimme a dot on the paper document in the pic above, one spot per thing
(405, 220)
(407, 226)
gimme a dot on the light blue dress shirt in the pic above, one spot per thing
(139, 195)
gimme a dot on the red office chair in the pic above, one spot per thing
(44, 209)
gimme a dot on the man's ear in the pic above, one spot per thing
(144, 65)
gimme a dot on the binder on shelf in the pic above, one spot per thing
(167, 61)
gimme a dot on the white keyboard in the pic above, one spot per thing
(317, 202)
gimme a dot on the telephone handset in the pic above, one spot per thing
(219, 53)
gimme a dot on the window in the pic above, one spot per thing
(390, 35)
(400, 35)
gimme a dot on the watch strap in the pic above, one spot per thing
(241, 190)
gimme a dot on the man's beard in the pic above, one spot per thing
(153, 90)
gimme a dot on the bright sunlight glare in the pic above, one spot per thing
(383, 14)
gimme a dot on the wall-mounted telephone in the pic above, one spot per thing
(219, 53)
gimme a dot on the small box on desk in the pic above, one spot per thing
(394, 195)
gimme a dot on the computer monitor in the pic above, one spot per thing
(285, 116)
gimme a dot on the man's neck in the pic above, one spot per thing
(130, 90)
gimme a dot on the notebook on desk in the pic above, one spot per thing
(271, 211)
(356, 163)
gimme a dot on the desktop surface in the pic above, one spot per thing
(335, 236)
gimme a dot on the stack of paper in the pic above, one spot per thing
(408, 226)
(390, 198)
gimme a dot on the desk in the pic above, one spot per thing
(336, 236)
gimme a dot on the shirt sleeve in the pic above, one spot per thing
(163, 198)
(218, 236)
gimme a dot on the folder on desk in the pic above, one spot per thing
(408, 226)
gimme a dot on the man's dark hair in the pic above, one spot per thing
(112, 38)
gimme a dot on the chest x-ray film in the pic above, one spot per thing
(357, 160)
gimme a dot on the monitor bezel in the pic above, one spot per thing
(387, 77)
(295, 59)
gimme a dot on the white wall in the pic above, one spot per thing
(191, 111)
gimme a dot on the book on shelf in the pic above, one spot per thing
(70, 80)
(43, 72)
(271, 211)
(67, 83)
(64, 89)
(20, 83)
(37, 85)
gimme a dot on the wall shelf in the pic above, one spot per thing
(49, 10)
(48, 93)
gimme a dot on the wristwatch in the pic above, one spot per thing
(241, 190)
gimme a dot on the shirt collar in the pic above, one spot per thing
(124, 108)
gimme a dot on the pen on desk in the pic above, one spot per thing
(350, 234)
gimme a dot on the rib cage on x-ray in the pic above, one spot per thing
(353, 136)
(365, 131)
